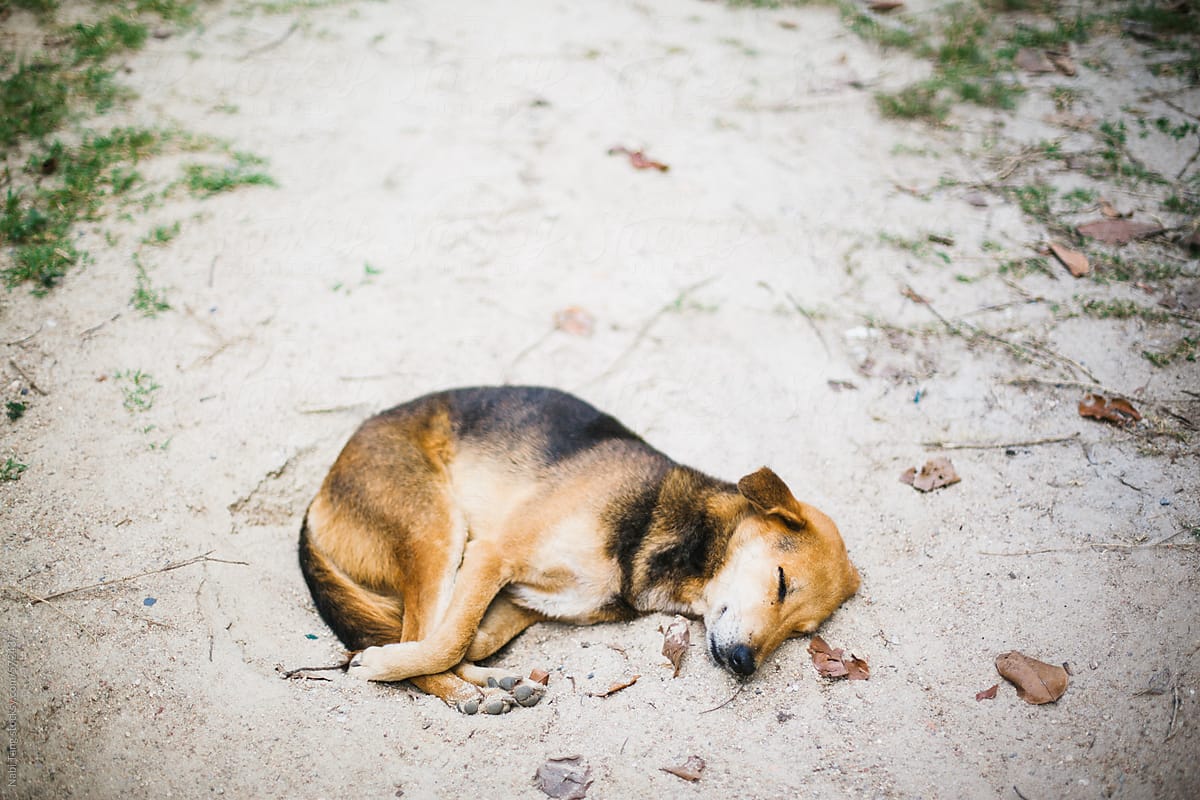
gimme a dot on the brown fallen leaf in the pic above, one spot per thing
(638, 159)
(676, 639)
(833, 663)
(1117, 231)
(540, 676)
(908, 292)
(1032, 61)
(689, 770)
(566, 777)
(575, 321)
(1037, 682)
(1074, 261)
(987, 694)
(1073, 121)
(936, 473)
(1109, 210)
(1116, 410)
(616, 687)
(884, 6)
(1062, 62)
(788, 25)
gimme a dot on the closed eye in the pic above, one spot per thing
(782, 585)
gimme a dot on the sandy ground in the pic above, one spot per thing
(461, 153)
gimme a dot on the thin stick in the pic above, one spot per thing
(26, 378)
(997, 445)
(292, 672)
(812, 323)
(727, 701)
(86, 332)
(1174, 711)
(269, 45)
(25, 339)
(46, 600)
(1018, 793)
(647, 325)
(1099, 546)
(204, 557)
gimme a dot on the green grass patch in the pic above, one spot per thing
(1122, 309)
(14, 410)
(138, 389)
(205, 180)
(1186, 348)
(148, 301)
(12, 469)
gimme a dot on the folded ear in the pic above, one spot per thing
(769, 495)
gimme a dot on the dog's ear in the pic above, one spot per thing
(769, 495)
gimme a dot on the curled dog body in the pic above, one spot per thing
(451, 523)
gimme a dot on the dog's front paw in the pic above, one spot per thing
(368, 665)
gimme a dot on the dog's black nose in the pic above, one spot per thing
(741, 660)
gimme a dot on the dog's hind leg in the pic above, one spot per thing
(480, 577)
(500, 625)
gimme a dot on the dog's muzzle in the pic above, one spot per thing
(738, 659)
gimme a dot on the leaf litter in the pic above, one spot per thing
(689, 770)
(1115, 410)
(834, 663)
(565, 777)
(936, 473)
(677, 637)
(1037, 682)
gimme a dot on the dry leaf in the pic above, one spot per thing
(539, 676)
(567, 777)
(676, 639)
(908, 292)
(1108, 210)
(575, 321)
(1069, 120)
(977, 199)
(838, 386)
(833, 663)
(1116, 410)
(1033, 61)
(788, 25)
(638, 159)
(987, 694)
(689, 770)
(1063, 63)
(616, 687)
(936, 473)
(1037, 682)
(1117, 231)
(884, 6)
(1076, 262)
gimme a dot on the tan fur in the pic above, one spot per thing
(429, 550)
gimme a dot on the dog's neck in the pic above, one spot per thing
(685, 542)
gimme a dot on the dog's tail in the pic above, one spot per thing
(360, 617)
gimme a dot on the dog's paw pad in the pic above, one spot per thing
(507, 683)
(497, 704)
(468, 707)
(527, 695)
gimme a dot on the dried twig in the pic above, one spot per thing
(24, 339)
(1174, 711)
(997, 445)
(268, 46)
(727, 701)
(202, 558)
(647, 325)
(1100, 546)
(812, 323)
(291, 673)
(26, 378)
(36, 599)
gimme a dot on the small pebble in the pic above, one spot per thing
(1166, 501)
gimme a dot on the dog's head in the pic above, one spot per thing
(786, 570)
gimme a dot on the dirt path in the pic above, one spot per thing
(443, 189)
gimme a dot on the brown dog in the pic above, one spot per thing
(451, 523)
